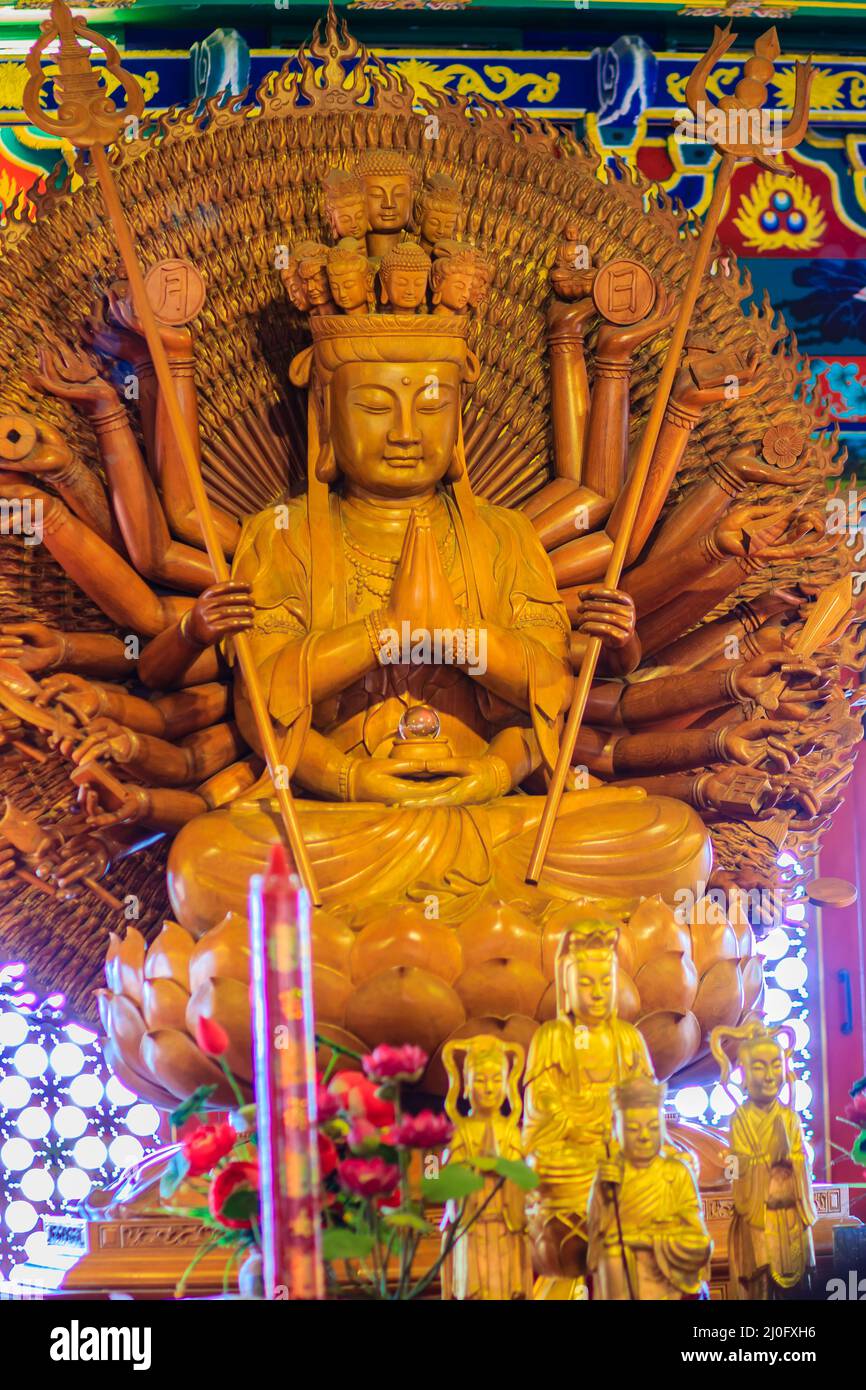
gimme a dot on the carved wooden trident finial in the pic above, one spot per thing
(741, 129)
(85, 114)
(740, 125)
(88, 118)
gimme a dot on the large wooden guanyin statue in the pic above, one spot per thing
(415, 368)
(354, 587)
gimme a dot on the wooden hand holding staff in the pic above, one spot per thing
(733, 112)
(88, 118)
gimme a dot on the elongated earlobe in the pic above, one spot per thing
(301, 367)
(455, 468)
(326, 464)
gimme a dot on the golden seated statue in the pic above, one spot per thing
(389, 549)
(385, 565)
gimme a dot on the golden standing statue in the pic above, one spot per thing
(574, 1062)
(770, 1243)
(492, 1260)
(647, 1238)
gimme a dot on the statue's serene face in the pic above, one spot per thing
(406, 288)
(389, 201)
(591, 985)
(394, 424)
(349, 216)
(487, 1084)
(456, 290)
(348, 286)
(641, 1131)
(438, 224)
(763, 1072)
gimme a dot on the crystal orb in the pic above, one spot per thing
(419, 722)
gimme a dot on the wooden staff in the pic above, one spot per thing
(750, 94)
(87, 118)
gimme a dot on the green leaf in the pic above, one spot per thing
(482, 1163)
(346, 1245)
(519, 1173)
(174, 1174)
(196, 1105)
(454, 1181)
(240, 1206)
(408, 1220)
(858, 1153)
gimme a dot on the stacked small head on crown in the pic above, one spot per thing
(377, 266)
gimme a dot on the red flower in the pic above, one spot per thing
(206, 1146)
(856, 1109)
(425, 1131)
(395, 1063)
(327, 1105)
(368, 1177)
(358, 1096)
(327, 1156)
(235, 1177)
(211, 1037)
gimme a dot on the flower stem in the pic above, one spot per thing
(455, 1232)
(230, 1078)
(322, 1040)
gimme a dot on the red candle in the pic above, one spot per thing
(285, 1073)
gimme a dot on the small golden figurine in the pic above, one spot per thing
(572, 273)
(647, 1238)
(492, 1259)
(574, 1062)
(770, 1244)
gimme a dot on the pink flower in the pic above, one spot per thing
(425, 1131)
(327, 1105)
(368, 1177)
(395, 1063)
(364, 1137)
